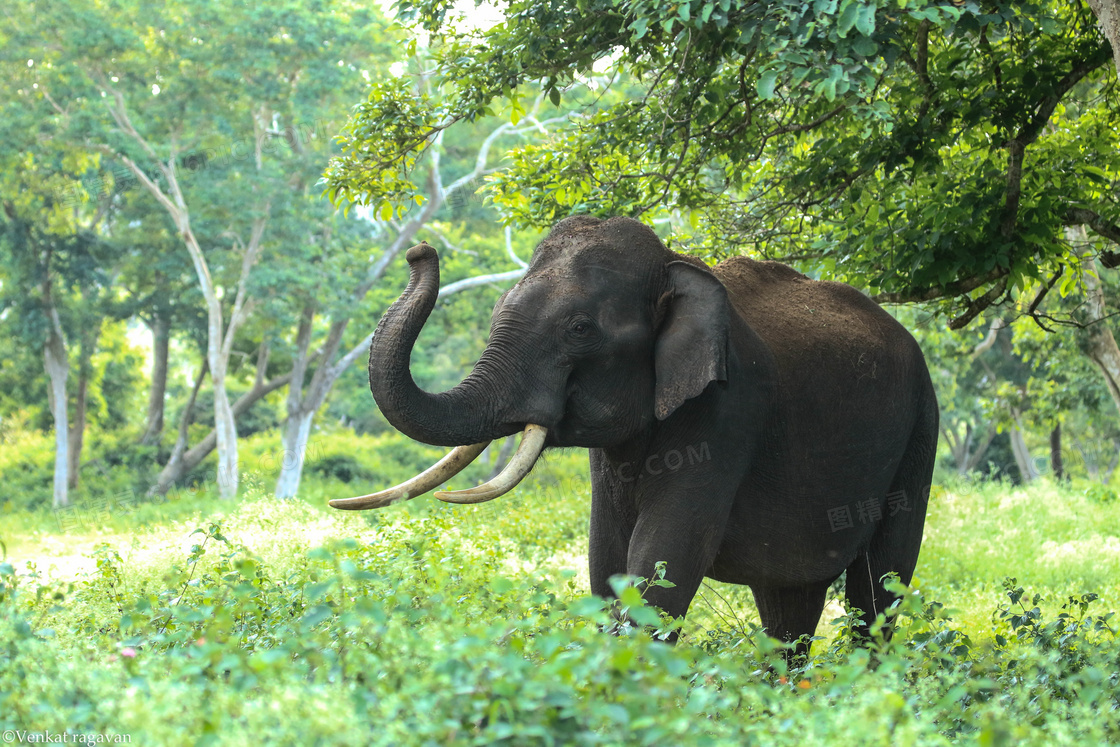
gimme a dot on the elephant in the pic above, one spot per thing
(744, 422)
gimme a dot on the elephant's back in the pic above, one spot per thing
(842, 362)
(800, 318)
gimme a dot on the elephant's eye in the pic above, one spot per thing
(581, 328)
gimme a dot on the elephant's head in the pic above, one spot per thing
(607, 332)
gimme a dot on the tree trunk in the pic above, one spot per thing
(219, 334)
(1023, 458)
(294, 440)
(58, 368)
(503, 457)
(1108, 13)
(161, 339)
(981, 450)
(1056, 452)
(1101, 348)
(298, 425)
(1089, 459)
(225, 428)
(1107, 478)
(303, 406)
(954, 441)
(966, 448)
(190, 458)
(78, 428)
(173, 470)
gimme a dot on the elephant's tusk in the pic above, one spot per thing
(532, 443)
(438, 473)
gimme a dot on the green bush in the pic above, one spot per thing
(26, 468)
(201, 621)
(414, 638)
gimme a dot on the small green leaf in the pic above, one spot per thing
(766, 84)
(646, 616)
(865, 20)
(847, 19)
(865, 47)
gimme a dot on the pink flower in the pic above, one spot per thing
(128, 652)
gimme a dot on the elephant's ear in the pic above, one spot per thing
(691, 347)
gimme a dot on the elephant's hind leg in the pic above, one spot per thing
(788, 613)
(894, 546)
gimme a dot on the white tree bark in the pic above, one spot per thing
(58, 369)
(297, 428)
(1022, 454)
(220, 335)
(1102, 349)
(297, 432)
(301, 413)
(1108, 14)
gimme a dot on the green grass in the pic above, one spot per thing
(425, 623)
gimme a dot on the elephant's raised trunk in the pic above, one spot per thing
(465, 414)
(466, 417)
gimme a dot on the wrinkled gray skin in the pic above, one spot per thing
(744, 423)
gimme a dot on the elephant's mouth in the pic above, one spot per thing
(532, 443)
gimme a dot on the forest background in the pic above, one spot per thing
(204, 210)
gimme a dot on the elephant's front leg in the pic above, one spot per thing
(684, 528)
(612, 523)
(643, 513)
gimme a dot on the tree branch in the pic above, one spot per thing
(345, 361)
(1100, 226)
(976, 306)
(509, 248)
(956, 288)
(248, 259)
(993, 333)
(1016, 147)
(496, 277)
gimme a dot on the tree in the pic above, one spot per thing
(927, 152)
(920, 150)
(1108, 13)
(53, 258)
(445, 181)
(54, 284)
(166, 107)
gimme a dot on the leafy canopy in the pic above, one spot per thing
(918, 149)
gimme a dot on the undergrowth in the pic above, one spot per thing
(413, 636)
(283, 622)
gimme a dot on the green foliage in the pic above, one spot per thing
(419, 630)
(916, 149)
